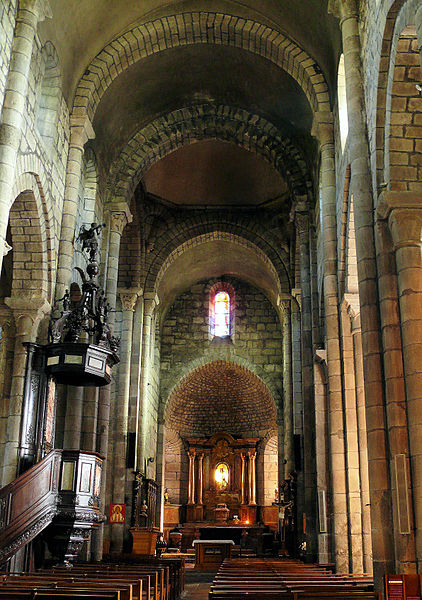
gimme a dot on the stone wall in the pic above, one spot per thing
(185, 336)
(7, 24)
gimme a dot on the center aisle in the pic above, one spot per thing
(197, 584)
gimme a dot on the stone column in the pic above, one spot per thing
(252, 478)
(242, 479)
(395, 392)
(30, 13)
(354, 502)
(323, 130)
(191, 477)
(28, 311)
(200, 478)
(363, 447)
(360, 187)
(128, 299)
(302, 227)
(80, 132)
(404, 213)
(119, 216)
(135, 371)
(89, 419)
(151, 302)
(288, 466)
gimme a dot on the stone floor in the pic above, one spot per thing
(197, 584)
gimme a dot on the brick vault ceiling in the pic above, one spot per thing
(221, 396)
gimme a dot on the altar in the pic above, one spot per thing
(222, 479)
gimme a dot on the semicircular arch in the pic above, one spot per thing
(210, 379)
(190, 124)
(183, 29)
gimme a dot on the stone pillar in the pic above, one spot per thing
(404, 213)
(360, 187)
(30, 13)
(200, 478)
(354, 503)
(151, 302)
(128, 299)
(191, 476)
(89, 419)
(73, 419)
(363, 447)
(242, 479)
(252, 478)
(135, 371)
(323, 130)
(28, 311)
(302, 227)
(395, 392)
(119, 216)
(288, 454)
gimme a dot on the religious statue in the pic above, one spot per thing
(166, 497)
(89, 239)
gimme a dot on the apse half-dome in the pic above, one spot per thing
(220, 396)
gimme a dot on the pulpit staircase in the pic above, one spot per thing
(60, 492)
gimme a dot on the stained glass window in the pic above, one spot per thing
(222, 314)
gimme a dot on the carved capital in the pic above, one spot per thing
(343, 9)
(297, 295)
(151, 301)
(40, 8)
(81, 130)
(28, 310)
(404, 213)
(302, 223)
(129, 297)
(323, 128)
(352, 304)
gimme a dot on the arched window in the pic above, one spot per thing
(342, 102)
(221, 314)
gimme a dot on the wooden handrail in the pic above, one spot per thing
(28, 504)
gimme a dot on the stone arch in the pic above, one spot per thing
(218, 230)
(196, 406)
(184, 29)
(267, 471)
(30, 270)
(241, 241)
(190, 124)
(219, 354)
(400, 15)
(37, 222)
(47, 111)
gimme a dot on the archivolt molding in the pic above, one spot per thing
(211, 236)
(34, 181)
(189, 124)
(177, 235)
(401, 14)
(199, 28)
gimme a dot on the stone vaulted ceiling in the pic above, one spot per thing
(221, 396)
